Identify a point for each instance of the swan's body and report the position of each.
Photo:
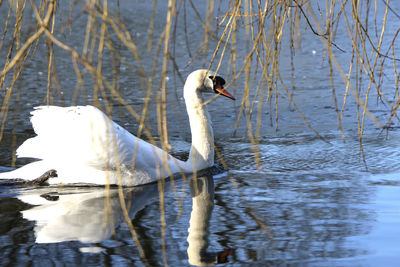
(84, 146)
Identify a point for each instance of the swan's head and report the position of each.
(207, 82)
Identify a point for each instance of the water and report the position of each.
(313, 212)
(299, 200)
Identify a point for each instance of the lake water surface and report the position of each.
(308, 201)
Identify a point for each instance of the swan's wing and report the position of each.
(85, 135)
(81, 134)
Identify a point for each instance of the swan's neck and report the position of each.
(202, 151)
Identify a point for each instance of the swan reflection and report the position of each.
(88, 215)
(91, 215)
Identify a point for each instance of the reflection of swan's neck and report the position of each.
(202, 151)
(203, 196)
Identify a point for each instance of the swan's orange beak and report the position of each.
(223, 92)
(218, 83)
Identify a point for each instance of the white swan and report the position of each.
(84, 146)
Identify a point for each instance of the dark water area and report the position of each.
(291, 199)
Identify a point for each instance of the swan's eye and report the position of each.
(218, 82)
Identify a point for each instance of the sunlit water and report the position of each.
(298, 200)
